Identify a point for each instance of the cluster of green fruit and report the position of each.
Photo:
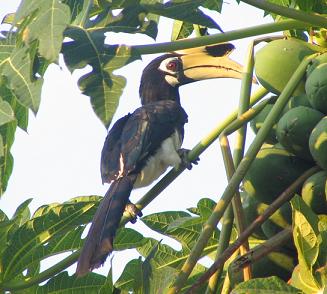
(298, 139)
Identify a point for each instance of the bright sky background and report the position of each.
(59, 157)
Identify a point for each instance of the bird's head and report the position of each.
(163, 75)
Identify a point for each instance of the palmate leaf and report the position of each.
(44, 21)
(51, 230)
(183, 10)
(91, 283)
(271, 285)
(183, 227)
(100, 84)
(165, 264)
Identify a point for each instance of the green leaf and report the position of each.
(206, 206)
(161, 221)
(181, 30)
(7, 133)
(304, 281)
(305, 232)
(213, 5)
(45, 21)
(22, 213)
(52, 230)
(180, 226)
(184, 10)
(131, 278)
(322, 226)
(17, 68)
(100, 84)
(63, 283)
(307, 240)
(127, 238)
(6, 113)
(132, 19)
(20, 111)
(271, 285)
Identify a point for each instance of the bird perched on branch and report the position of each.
(142, 145)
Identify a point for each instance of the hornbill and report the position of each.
(142, 145)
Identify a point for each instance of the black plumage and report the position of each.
(142, 145)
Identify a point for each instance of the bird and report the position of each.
(141, 145)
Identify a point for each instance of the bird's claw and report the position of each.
(183, 154)
(133, 211)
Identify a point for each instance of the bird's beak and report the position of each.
(209, 62)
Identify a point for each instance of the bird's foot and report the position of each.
(133, 211)
(183, 154)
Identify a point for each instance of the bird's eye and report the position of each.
(172, 65)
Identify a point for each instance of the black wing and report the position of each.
(137, 136)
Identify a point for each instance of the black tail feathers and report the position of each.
(99, 241)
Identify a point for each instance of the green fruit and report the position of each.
(316, 88)
(300, 100)
(278, 221)
(318, 143)
(294, 129)
(313, 192)
(276, 263)
(251, 209)
(320, 59)
(277, 61)
(257, 122)
(271, 172)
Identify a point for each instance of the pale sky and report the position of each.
(58, 158)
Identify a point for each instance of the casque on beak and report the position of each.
(209, 62)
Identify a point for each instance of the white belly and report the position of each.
(157, 164)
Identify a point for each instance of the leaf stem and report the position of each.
(312, 18)
(222, 37)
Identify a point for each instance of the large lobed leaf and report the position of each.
(100, 83)
(183, 227)
(91, 283)
(53, 229)
(44, 21)
(271, 285)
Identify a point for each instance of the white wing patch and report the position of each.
(157, 164)
(121, 166)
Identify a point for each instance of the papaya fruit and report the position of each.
(316, 88)
(320, 59)
(257, 122)
(278, 221)
(276, 263)
(271, 172)
(276, 62)
(294, 129)
(318, 143)
(314, 194)
(252, 209)
(299, 100)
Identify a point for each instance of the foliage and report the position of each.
(41, 31)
